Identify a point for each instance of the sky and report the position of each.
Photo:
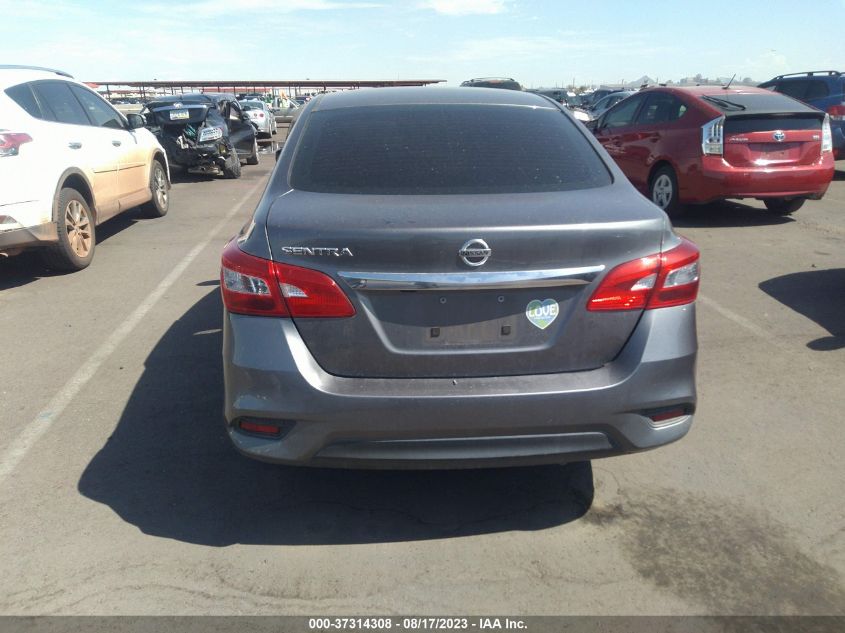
(537, 42)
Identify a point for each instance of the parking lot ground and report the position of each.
(120, 493)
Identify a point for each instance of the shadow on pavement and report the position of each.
(170, 469)
(179, 175)
(29, 267)
(818, 295)
(727, 213)
(839, 174)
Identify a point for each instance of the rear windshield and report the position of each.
(444, 149)
(167, 114)
(251, 106)
(508, 84)
(755, 103)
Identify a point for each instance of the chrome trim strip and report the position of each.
(472, 280)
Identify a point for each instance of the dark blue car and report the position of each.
(822, 89)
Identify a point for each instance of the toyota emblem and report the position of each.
(779, 136)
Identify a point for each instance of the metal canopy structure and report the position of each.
(244, 85)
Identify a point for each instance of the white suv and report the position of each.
(69, 161)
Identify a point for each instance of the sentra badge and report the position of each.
(324, 251)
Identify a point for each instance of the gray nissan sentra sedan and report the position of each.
(439, 278)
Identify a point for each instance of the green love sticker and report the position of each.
(542, 313)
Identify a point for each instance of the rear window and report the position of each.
(22, 95)
(755, 103)
(507, 84)
(168, 114)
(62, 106)
(444, 149)
(817, 89)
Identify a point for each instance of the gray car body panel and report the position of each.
(422, 234)
(364, 391)
(271, 375)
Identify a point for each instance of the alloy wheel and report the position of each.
(78, 226)
(661, 193)
(160, 187)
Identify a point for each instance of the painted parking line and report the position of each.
(32, 432)
(745, 323)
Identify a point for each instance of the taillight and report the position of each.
(310, 293)
(260, 115)
(249, 284)
(10, 142)
(256, 286)
(837, 112)
(827, 135)
(657, 281)
(713, 136)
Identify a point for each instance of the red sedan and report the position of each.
(695, 145)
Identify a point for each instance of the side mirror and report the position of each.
(136, 121)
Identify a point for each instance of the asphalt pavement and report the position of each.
(120, 492)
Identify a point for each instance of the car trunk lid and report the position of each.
(774, 140)
(424, 310)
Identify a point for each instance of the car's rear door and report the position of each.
(618, 129)
(132, 174)
(82, 144)
(657, 133)
(448, 281)
(241, 129)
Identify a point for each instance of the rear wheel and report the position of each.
(663, 190)
(232, 166)
(75, 224)
(783, 206)
(253, 158)
(160, 202)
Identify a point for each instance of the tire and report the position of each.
(77, 236)
(232, 167)
(160, 202)
(783, 206)
(663, 190)
(253, 158)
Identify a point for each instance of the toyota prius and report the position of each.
(445, 278)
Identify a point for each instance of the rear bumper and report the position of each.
(466, 422)
(717, 180)
(28, 237)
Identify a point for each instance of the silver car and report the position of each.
(480, 286)
(261, 115)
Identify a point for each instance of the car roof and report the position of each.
(771, 103)
(429, 96)
(712, 90)
(831, 75)
(13, 75)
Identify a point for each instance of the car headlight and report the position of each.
(210, 134)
